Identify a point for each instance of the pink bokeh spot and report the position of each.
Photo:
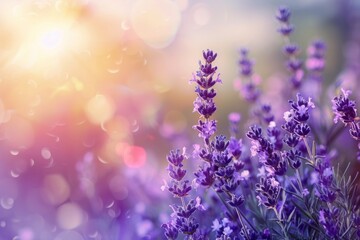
(26, 234)
(133, 156)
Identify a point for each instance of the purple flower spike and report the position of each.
(268, 192)
(297, 117)
(245, 63)
(294, 65)
(176, 158)
(206, 129)
(205, 176)
(220, 143)
(209, 56)
(283, 14)
(286, 30)
(236, 201)
(291, 49)
(180, 189)
(344, 108)
(235, 147)
(255, 133)
(248, 88)
(171, 231)
(176, 173)
(316, 56)
(234, 120)
(330, 221)
(186, 226)
(355, 131)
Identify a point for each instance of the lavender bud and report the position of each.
(283, 14)
(344, 108)
(171, 232)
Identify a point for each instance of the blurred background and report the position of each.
(93, 95)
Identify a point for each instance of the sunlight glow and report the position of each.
(52, 39)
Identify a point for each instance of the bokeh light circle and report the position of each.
(56, 189)
(69, 216)
(69, 235)
(134, 156)
(156, 22)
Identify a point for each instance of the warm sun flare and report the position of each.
(52, 39)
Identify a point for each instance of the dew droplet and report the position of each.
(45, 153)
(102, 160)
(56, 138)
(93, 234)
(114, 212)
(14, 152)
(14, 174)
(135, 126)
(2, 224)
(111, 204)
(7, 203)
(32, 162)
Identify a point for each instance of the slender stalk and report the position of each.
(281, 224)
(242, 223)
(240, 216)
(299, 182)
(312, 158)
(184, 205)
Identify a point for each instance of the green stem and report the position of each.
(312, 158)
(300, 183)
(242, 223)
(281, 224)
(184, 205)
(239, 213)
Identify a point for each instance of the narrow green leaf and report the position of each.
(291, 214)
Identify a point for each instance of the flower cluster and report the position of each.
(294, 64)
(183, 221)
(278, 183)
(345, 110)
(316, 58)
(248, 83)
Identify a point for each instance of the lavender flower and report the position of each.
(180, 188)
(344, 108)
(234, 120)
(316, 62)
(283, 14)
(204, 103)
(248, 83)
(293, 64)
(245, 191)
(171, 231)
(269, 191)
(329, 220)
